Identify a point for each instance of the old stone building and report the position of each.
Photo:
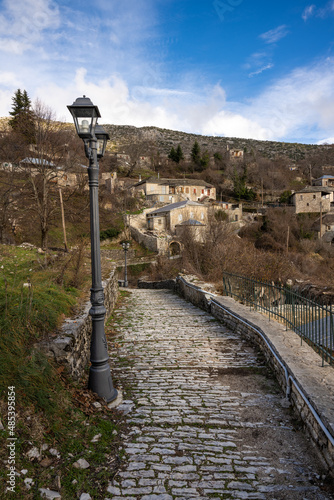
(175, 190)
(324, 227)
(313, 199)
(325, 181)
(234, 153)
(167, 217)
(192, 228)
(233, 211)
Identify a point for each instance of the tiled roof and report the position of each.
(37, 161)
(173, 206)
(191, 222)
(327, 219)
(315, 189)
(176, 182)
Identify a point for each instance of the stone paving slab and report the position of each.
(205, 419)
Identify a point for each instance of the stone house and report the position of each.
(193, 227)
(175, 190)
(325, 181)
(67, 179)
(233, 210)
(168, 217)
(35, 165)
(324, 227)
(313, 199)
(235, 154)
(6, 166)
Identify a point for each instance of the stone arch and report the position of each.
(175, 248)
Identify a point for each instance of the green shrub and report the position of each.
(113, 232)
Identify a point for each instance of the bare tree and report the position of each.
(43, 162)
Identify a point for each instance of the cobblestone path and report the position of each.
(205, 419)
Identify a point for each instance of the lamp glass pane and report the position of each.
(100, 147)
(84, 125)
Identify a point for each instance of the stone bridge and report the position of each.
(206, 417)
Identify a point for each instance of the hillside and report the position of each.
(163, 140)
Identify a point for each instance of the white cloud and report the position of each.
(301, 105)
(23, 21)
(321, 12)
(260, 70)
(234, 125)
(9, 79)
(308, 12)
(329, 140)
(274, 35)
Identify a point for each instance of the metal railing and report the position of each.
(313, 322)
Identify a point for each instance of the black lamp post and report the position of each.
(126, 246)
(95, 138)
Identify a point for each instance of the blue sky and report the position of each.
(238, 68)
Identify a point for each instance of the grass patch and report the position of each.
(51, 411)
(32, 306)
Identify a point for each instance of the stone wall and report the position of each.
(310, 202)
(71, 347)
(157, 285)
(150, 242)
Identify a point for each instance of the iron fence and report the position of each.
(313, 322)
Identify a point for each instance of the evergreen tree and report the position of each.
(205, 160)
(172, 155)
(179, 154)
(240, 190)
(196, 153)
(22, 120)
(218, 157)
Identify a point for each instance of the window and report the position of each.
(301, 196)
(180, 217)
(314, 196)
(191, 215)
(187, 190)
(236, 217)
(202, 215)
(202, 191)
(159, 222)
(194, 190)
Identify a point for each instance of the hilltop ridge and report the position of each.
(165, 139)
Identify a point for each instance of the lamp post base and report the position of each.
(100, 381)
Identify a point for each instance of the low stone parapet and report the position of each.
(157, 285)
(71, 347)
